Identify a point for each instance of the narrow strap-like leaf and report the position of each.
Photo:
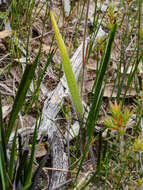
(28, 179)
(3, 161)
(98, 94)
(21, 94)
(72, 84)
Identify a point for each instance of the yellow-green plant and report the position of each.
(138, 144)
(118, 122)
(71, 81)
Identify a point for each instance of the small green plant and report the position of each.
(138, 144)
(118, 122)
(20, 174)
(16, 169)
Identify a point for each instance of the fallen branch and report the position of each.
(52, 106)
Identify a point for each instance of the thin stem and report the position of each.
(83, 50)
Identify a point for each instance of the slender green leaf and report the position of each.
(97, 100)
(21, 94)
(68, 70)
(30, 164)
(2, 131)
(98, 88)
(3, 169)
(20, 171)
(40, 78)
(120, 86)
(131, 76)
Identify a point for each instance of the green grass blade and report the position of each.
(2, 168)
(39, 81)
(21, 94)
(120, 86)
(3, 161)
(30, 164)
(131, 76)
(20, 171)
(97, 100)
(98, 86)
(2, 131)
(91, 117)
(68, 70)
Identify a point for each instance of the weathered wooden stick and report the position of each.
(53, 103)
(52, 106)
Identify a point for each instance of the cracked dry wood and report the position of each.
(49, 113)
(59, 159)
(51, 108)
(47, 123)
(54, 102)
(48, 127)
(4, 5)
(4, 2)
